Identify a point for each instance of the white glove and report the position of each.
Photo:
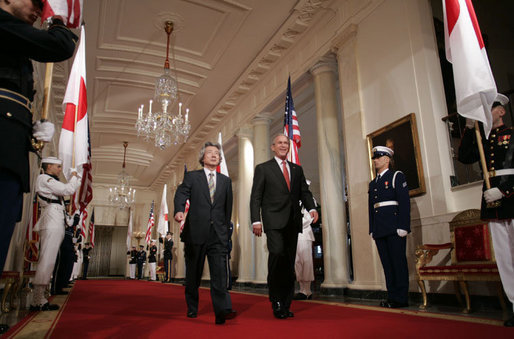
(470, 123)
(43, 131)
(492, 195)
(401, 233)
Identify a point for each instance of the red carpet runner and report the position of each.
(140, 309)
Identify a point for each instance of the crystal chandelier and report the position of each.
(122, 195)
(164, 127)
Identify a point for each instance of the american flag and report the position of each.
(83, 229)
(151, 222)
(92, 230)
(291, 127)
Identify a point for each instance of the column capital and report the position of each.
(263, 118)
(326, 63)
(245, 132)
(344, 38)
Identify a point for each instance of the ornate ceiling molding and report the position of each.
(290, 32)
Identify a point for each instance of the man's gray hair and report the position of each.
(202, 151)
(276, 136)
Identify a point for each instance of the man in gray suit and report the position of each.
(278, 187)
(206, 231)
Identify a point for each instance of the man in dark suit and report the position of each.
(206, 231)
(278, 187)
(389, 224)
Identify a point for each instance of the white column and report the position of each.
(245, 177)
(335, 256)
(261, 143)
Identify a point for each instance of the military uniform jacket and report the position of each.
(53, 214)
(21, 43)
(498, 151)
(85, 252)
(385, 220)
(141, 256)
(168, 248)
(133, 257)
(152, 256)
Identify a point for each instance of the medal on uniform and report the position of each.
(386, 184)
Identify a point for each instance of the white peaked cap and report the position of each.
(52, 160)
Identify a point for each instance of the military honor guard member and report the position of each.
(278, 187)
(152, 260)
(132, 262)
(206, 231)
(168, 256)
(141, 260)
(85, 259)
(50, 226)
(499, 150)
(389, 224)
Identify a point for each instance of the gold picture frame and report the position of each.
(402, 136)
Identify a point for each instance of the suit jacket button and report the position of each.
(8, 114)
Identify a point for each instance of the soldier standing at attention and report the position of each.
(85, 259)
(499, 150)
(132, 262)
(389, 224)
(168, 256)
(152, 260)
(141, 259)
(50, 226)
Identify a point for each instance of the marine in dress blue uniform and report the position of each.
(389, 223)
(499, 154)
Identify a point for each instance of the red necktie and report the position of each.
(286, 174)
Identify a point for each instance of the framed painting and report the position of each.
(402, 137)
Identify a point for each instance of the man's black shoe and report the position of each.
(394, 304)
(278, 310)
(220, 319)
(230, 314)
(289, 314)
(3, 328)
(300, 296)
(383, 303)
(45, 307)
(191, 314)
(49, 307)
(509, 323)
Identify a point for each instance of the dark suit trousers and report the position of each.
(282, 252)
(11, 200)
(392, 254)
(216, 254)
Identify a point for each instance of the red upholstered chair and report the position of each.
(472, 258)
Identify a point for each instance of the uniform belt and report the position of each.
(500, 172)
(386, 203)
(48, 200)
(16, 97)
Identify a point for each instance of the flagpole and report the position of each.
(38, 145)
